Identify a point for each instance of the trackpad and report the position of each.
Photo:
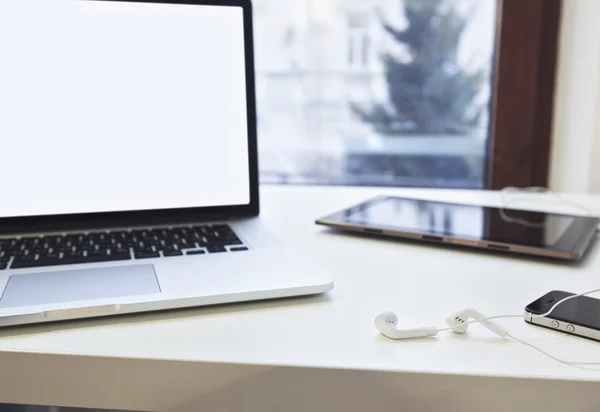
(73, 285)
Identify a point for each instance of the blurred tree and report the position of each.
(429, 93)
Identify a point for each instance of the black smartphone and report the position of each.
(579, 316)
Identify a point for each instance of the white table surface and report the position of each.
(163, 361)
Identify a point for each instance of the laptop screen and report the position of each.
(121, 106)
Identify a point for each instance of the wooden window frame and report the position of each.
(524, 90)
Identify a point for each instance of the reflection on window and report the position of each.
(374, 92)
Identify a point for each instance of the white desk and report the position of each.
(323, 353)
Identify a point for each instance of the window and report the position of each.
(358, 39)
(405, 92)
(374, 92)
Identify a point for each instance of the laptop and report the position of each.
(128, 144)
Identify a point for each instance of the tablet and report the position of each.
(551, 235)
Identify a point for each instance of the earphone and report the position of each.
(387, 324)
(459, 322)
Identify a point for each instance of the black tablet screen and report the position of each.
(470, 222)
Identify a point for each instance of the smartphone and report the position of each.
(579, 316)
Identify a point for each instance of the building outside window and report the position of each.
(375, 92)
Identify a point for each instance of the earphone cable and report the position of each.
(560, 302)
(479, 321)
(506, 204)
(542, 190)
(581, 365)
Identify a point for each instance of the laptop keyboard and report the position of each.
(118, 245)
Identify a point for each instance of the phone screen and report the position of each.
(582, 311)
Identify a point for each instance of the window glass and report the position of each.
(374, 92)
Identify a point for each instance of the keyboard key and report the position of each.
(99, 237)
(8, 244)
(118, 256)
(151, 241)
(195, 252)
(144, 249)
(75, 254)
(117, 251)
(96, 253)
(54, 240)
(172, 253)
(30, 241)
(238, 249)
(216, 249)
(119, 236)
(23, 253)
(233, 242)
(146, 255)
(66, 260)
(34, 251)
(76, 238)
(200, 230)
(186, 245)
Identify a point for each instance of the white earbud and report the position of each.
(386, 323)
(458, 322)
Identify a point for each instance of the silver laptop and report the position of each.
(129, 161)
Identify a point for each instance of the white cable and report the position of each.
(581, 365)
(479, 321)
(560, 302)
(507, 218)
(537, 348)
(565, 362)
(543, 190)
(514, 338)
(543, 315)
(506, 203)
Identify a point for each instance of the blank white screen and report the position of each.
(110, 106)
